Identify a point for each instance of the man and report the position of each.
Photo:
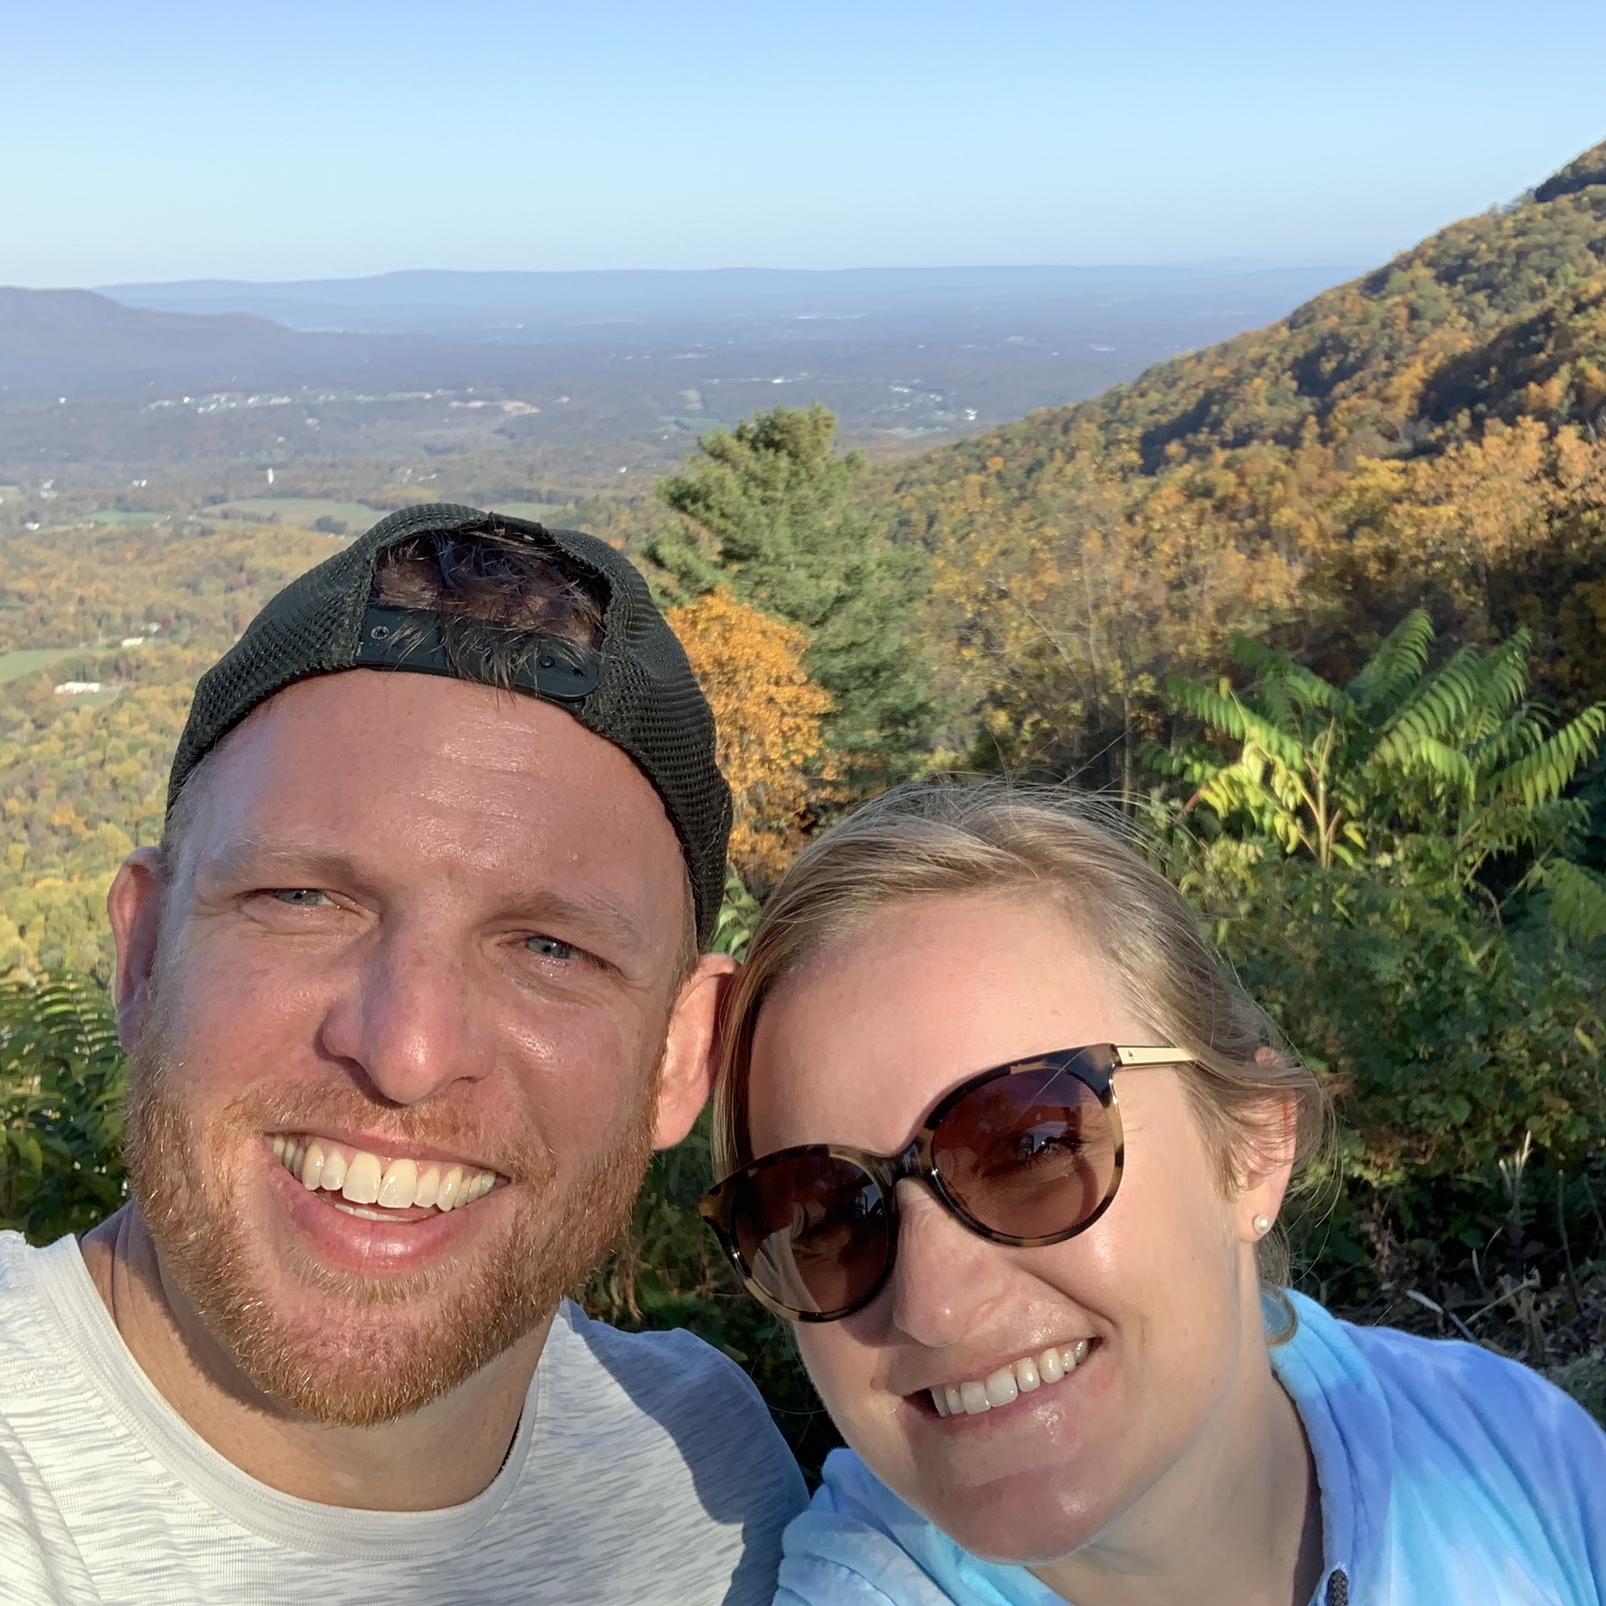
(410, 991)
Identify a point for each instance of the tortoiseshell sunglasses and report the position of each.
(1025, 1154)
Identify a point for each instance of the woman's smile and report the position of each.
(1002, 1386)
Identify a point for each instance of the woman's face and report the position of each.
(856, 1047)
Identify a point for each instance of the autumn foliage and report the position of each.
(769, 716)
(1429, 436)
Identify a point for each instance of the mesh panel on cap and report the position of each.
(648, 702)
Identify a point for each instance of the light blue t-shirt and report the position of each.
(1446, 1474)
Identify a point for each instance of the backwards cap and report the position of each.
(635, 689)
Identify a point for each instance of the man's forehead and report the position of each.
(410, 763)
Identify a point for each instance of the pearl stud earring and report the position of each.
(1262, 1225)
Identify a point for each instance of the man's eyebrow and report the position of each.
(591, 910)
(588, 910)
(260, 854)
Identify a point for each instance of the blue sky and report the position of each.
(184, 140)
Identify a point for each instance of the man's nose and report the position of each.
(946, 1279)
(405, 1018)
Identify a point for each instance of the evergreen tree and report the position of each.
(774, 516)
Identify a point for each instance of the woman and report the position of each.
(1009, 1145)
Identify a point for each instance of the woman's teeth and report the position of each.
(1008, 1383)
(369, 1179)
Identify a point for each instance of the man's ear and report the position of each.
(691, 1055)
(135, 906)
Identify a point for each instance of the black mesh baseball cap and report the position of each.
(635, 689)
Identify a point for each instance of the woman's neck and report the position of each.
(1236, 1523)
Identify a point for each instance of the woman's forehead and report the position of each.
(876, 1025)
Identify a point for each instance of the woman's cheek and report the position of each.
(841, 1385)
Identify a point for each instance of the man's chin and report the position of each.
(360, 1366)
(340, 1348)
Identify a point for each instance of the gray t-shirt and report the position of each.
(645, 1469)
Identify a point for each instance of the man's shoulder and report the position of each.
(677, 1349)
(17, 1256)
(670, 1365)
(26, 1315)
(670, 1382)
(670, 1440)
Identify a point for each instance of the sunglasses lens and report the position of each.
(1030, 1155)
(814, 1232)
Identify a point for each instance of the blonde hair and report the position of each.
(946, 838)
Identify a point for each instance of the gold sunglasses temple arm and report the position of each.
(1125, 1056)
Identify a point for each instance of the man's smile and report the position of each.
(393, 1183)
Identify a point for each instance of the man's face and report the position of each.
(419, 947)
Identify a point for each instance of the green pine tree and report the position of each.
(773, 515)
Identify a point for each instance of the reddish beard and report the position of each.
(381, 1348)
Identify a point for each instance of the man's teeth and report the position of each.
(367, 1179)
(1008, 1383)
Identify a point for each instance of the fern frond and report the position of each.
(60, 1021)
(1509, 824)
(1400, 661)
(1278, 669)
(1504, 676)
(1520, 733)
(1577, 899)
(1276, 705)
(1441, 762)
(1257, 655)
(1546, 771)
(1435, 707)
(1227, 714)
(1193, 762)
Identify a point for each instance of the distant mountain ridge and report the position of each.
(653, 357)
(548, 304)
(73, 340)
(50, 310)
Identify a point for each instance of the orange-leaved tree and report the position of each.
(769, 714)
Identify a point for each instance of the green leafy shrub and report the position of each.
(61, 1122)
(1464, 1058)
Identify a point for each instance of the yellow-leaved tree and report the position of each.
(769, 715)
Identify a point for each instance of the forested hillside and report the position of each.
(137, 611)
(1429, 435)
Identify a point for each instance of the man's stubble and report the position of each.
(383, 1347)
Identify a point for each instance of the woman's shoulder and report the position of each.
(859, 1544)
(1440, 1383)
(1475, 1443)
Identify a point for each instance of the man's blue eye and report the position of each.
(551, 948)
(298, 897)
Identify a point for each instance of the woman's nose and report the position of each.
(945, 1278)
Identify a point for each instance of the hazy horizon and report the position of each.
(352, 141)
(1224, 264)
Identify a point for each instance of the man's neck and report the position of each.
(441, 1455)
(1247, 1532)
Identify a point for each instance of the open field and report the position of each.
(117, 516)
(301, 511)
(28, 660)
(530, 510)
